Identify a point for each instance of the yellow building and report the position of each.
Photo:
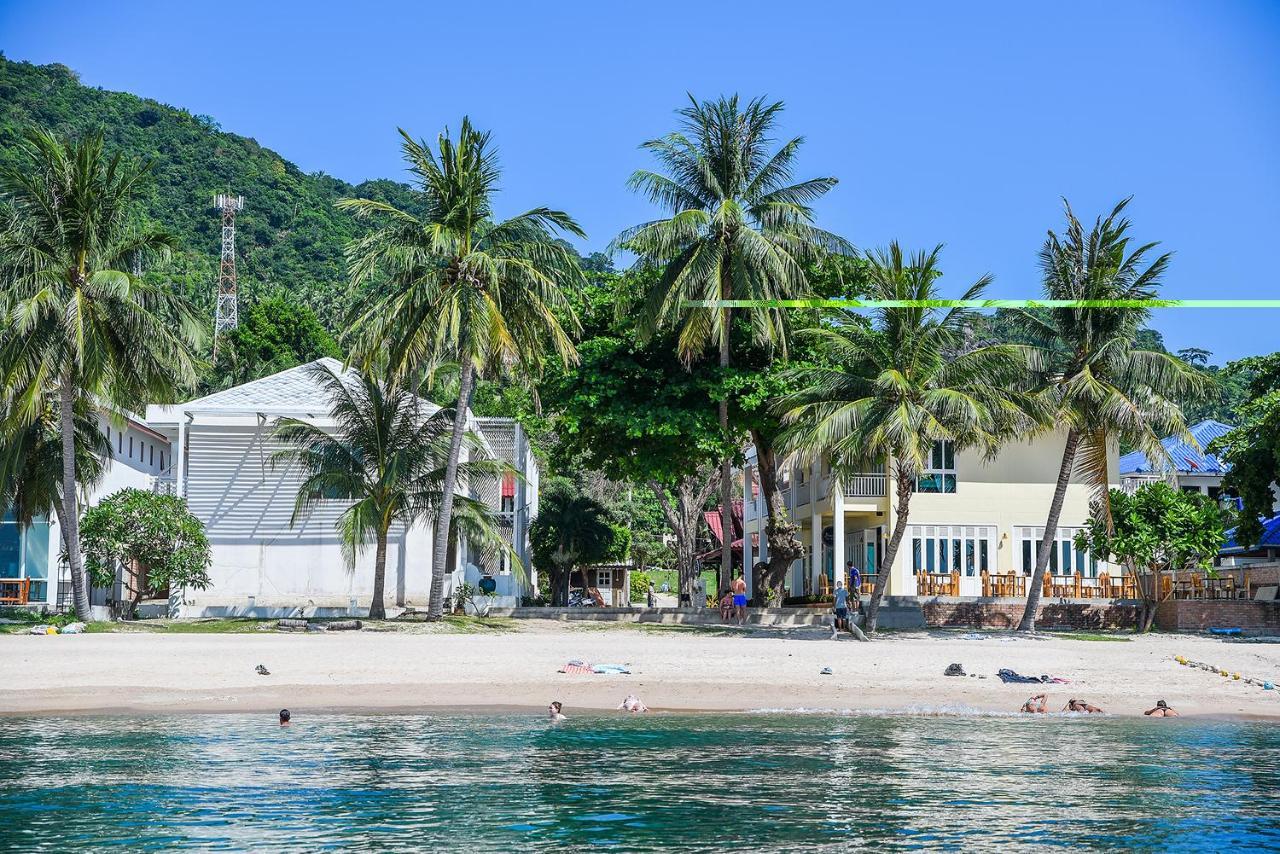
(968, 515)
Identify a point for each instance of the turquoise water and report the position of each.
(747, 782)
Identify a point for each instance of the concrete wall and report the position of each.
(1002, 614)
(1197, 615)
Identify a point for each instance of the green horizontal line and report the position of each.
(984, 303)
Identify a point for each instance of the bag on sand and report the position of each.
(953, 670)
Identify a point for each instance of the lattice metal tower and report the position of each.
(227, 315)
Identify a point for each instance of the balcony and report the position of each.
(865, 486)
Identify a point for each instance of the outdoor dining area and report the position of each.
(1223, 583)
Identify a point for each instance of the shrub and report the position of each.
(639, 586)
(153, 537)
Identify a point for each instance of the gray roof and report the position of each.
(292, 389)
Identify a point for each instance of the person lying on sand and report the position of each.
(1030, 705)
(633, 704)
(554, 711)
(1161, 710)
(1081, 706)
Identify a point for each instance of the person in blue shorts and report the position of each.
(740, 599)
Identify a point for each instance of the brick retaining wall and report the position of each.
(1196, 615)
(946, 612)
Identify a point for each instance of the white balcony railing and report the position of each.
(165, 484)
(1132, 482)
(864, 486)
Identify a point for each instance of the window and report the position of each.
(130, 447)
(1064, 557)
(940, 472)
(967, 549)
(1194, 489)
(162, 461)
(604, 578)
(120, 443)
(152, 461)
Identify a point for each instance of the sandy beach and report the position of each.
(679, 671)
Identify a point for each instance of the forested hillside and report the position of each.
(290, 237)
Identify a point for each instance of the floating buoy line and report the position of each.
(1264, 684)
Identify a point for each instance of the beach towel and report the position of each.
(576, 666)
(1007, 675)
(610, 668)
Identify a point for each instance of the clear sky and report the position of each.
(961, 123)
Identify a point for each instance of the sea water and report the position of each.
(771, 781)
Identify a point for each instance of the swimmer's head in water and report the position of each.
(1161, 704)
(555, 704)
(284, 716)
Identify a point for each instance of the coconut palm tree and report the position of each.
(31, 460)
(738, 229)
(462, 287)
(79, 322)
(386, 455)
(1096, 381)
(893, 388)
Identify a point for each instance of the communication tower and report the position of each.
(227, 314)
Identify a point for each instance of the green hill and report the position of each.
(289, 236)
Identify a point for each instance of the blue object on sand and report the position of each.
(1225, 631)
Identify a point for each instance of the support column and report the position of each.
(815, 560)
(180, 458)
(837, 529)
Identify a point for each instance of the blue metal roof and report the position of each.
(1185, 457)
(1270, 536)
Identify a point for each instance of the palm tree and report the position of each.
(738, 229)
(462, 288)
(1096, 381)
(892, 389)
(572, 528)
(31, 461)
(79, 322)
(386, 456)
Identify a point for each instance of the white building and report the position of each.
(1187, 468)
(218, 453)
(31, 554)
(967, 516)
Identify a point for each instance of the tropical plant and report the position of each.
(150, 542)
(1096, 381)
(572, 529)
(79, 320)
(738, 229)
(895, 388)
(1155, 530)
(461, 287)
(31, 460)
(386, 457)
(1252, 447)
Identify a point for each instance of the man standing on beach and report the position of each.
(842, 609)
(740, 599)
(855, 585)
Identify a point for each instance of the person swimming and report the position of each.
(1030, 706)
(633, 704)
(553, 711)
(1161, 710)
(1081, 706)
(284, 717)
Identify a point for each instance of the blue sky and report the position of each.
(960, 123)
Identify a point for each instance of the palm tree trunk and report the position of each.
(726, 475)
(440, 544)
(70, 514)
(1036, 585)
(900, 516)
(377, 609)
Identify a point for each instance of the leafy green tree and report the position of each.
(463, 288)
(387, 457)
(571, 530)
(633, 411)
(274, 334)
(151, 542)
(1096, 380)
(1197, 357)
(1252, 448)
(894, 388)
(79, 321)
(738, 229)
(1154, 531)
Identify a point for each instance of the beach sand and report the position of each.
(671, 670)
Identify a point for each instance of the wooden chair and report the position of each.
(1197, 586)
